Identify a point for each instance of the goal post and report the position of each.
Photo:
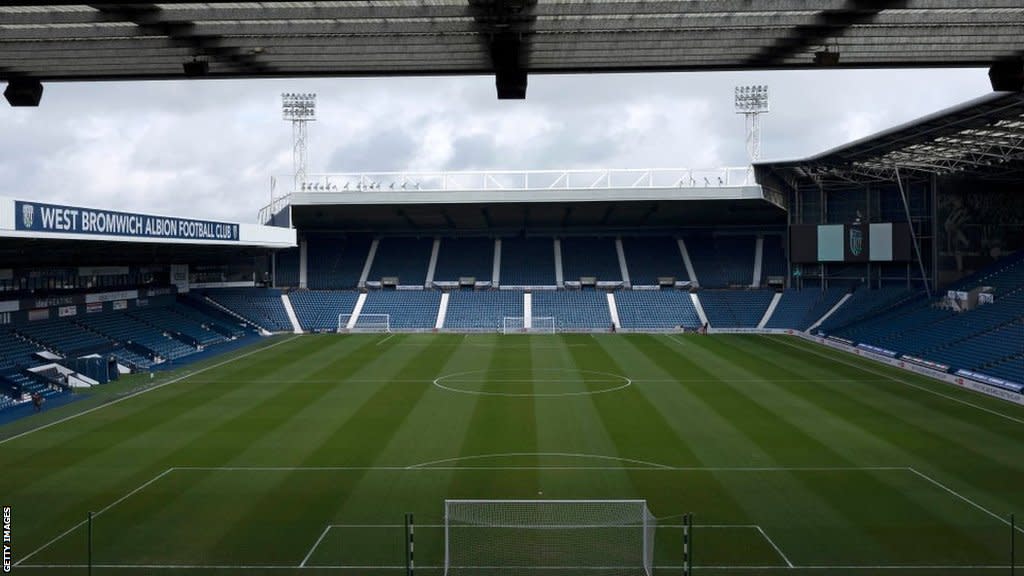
(364, 323)
(526, 537)
(537, 325)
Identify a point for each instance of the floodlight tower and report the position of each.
(299, 108)
(752, 101)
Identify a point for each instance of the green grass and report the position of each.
(793, 458)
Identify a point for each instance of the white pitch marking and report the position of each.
(624, 381)
(386, 338)
(894, 378)
(140, 392)
(317, 543)
(964, 498)
(101, 511)
(777, 549)
(540, 454)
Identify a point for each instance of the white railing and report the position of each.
(514, 180)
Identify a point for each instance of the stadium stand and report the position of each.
(334, 262)
(404, 258)
(573, 309)
(799, 309)
(122, 327)
(648, 258)
(208, 316)
(164, 318)
(596, 257)
(409, 309)
(318, 310)
(655, 309)
(722, 261)
(15, 352)
(527, 262)
(865, 303)
(260, 306)
(773, 257)
(482, 310)
(64, 337)
(287, 267)
(470, 257)
(735, 309)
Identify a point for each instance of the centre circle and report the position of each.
(544, 383)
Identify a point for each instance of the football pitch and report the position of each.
(303, 456)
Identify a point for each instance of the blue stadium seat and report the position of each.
(527, 262)
(655, 309)
(482, 309)
(573, 309)
(261, 306)
(459, 257)
(404, 258)
(333, 262)
(651, 257)
(409, 309)
(597, 257)
(735, 308)
(318, 310)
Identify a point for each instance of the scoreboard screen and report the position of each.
(879, 242)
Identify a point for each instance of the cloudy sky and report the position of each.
(208, 148)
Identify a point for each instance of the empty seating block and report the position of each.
(404, 258)
(865, 303)
(164, 318)
(334, 262)
(14, 352)
(597, 257)
(656, 309)
(649, 258)
(527, 262)
(124, 328)
(574, 309)
(773, 257)
(722, 261)
(459, 257)
(318, 310)
(735, 309)
(286, 267)
(482, 310)
(798, 309)
(261, 306)
(409, 309)
(64, 337)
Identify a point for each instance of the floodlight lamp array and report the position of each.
(751, 99)
(298, 106)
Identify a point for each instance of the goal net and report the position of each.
(538, 325)
(364, 323)
(512, 537)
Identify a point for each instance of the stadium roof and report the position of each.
(983, 138)
(509, 38)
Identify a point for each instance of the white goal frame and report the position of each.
(549, 517)
(538, 325)
(365, 323)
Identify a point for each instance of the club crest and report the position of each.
(856, 241)
(28, 215)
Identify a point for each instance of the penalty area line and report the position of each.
(315, 545)
(100, 511)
